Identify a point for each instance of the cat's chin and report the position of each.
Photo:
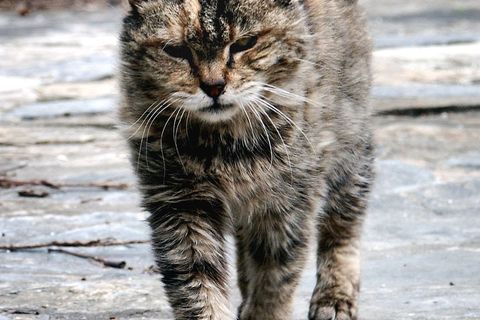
(217, 112)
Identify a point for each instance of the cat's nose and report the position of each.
(213, 89)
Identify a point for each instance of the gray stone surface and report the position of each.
(398, 23)
(421, 247)
(55, 109)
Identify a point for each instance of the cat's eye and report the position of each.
(243, 44)
(181, 51)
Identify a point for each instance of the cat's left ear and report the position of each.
(134, 3)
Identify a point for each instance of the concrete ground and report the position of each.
(421, 248)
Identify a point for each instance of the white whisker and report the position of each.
(186, 123)
(175, 133)
(270, 106)
(161, 141)
(242, 106)
(152, 121)
(259, 117)
(150, 108)
(281, 138)
(145, 112)
(157, 106)
(286, 94)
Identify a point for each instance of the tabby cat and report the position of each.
(250, 118)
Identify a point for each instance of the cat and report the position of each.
(250, 118)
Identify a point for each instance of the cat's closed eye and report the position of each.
(178, 51)
(243, 44)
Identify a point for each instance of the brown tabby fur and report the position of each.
(286, 160)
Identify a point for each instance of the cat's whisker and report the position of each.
(186, 123)
(284, 93)
(148, 114)
(175, 133)
(244, 138)
(145, 112)
(320, 64)
(166, 44)
(259, 117)
(161, 141)
(252, 131)
(263, 100)
(287, 94)
(281, 138)
(306, 61)
(158, 105)
(148, 127)
(298, 21)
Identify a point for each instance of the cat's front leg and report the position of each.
(338, 261)
(188, 242)
(275, 246)
(243, 272)
(338, 278)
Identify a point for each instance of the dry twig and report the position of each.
(106, 263)
(4, 171)
(93, 243)
(12, 183)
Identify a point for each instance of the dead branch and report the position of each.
(92, 243)
(4, 171)
(12, 183)
(106, 263)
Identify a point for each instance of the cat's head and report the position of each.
(216, 57)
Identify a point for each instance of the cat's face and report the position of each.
(217, 58)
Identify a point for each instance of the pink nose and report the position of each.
(213, 90)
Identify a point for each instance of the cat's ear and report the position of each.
(134, 4)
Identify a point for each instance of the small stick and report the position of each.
(16, 167)
(11, 183)
(92, 243)
(106, 263)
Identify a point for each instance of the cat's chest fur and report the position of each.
(241, 168)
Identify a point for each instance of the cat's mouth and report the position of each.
(217, 112)
(217, 107)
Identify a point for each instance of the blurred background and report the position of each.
(73, 241)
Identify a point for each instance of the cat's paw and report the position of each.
(327, 310)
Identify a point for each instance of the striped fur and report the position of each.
(281, 159)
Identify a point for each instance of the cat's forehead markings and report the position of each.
(214, 21)
(178, 21)
(192, 10)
